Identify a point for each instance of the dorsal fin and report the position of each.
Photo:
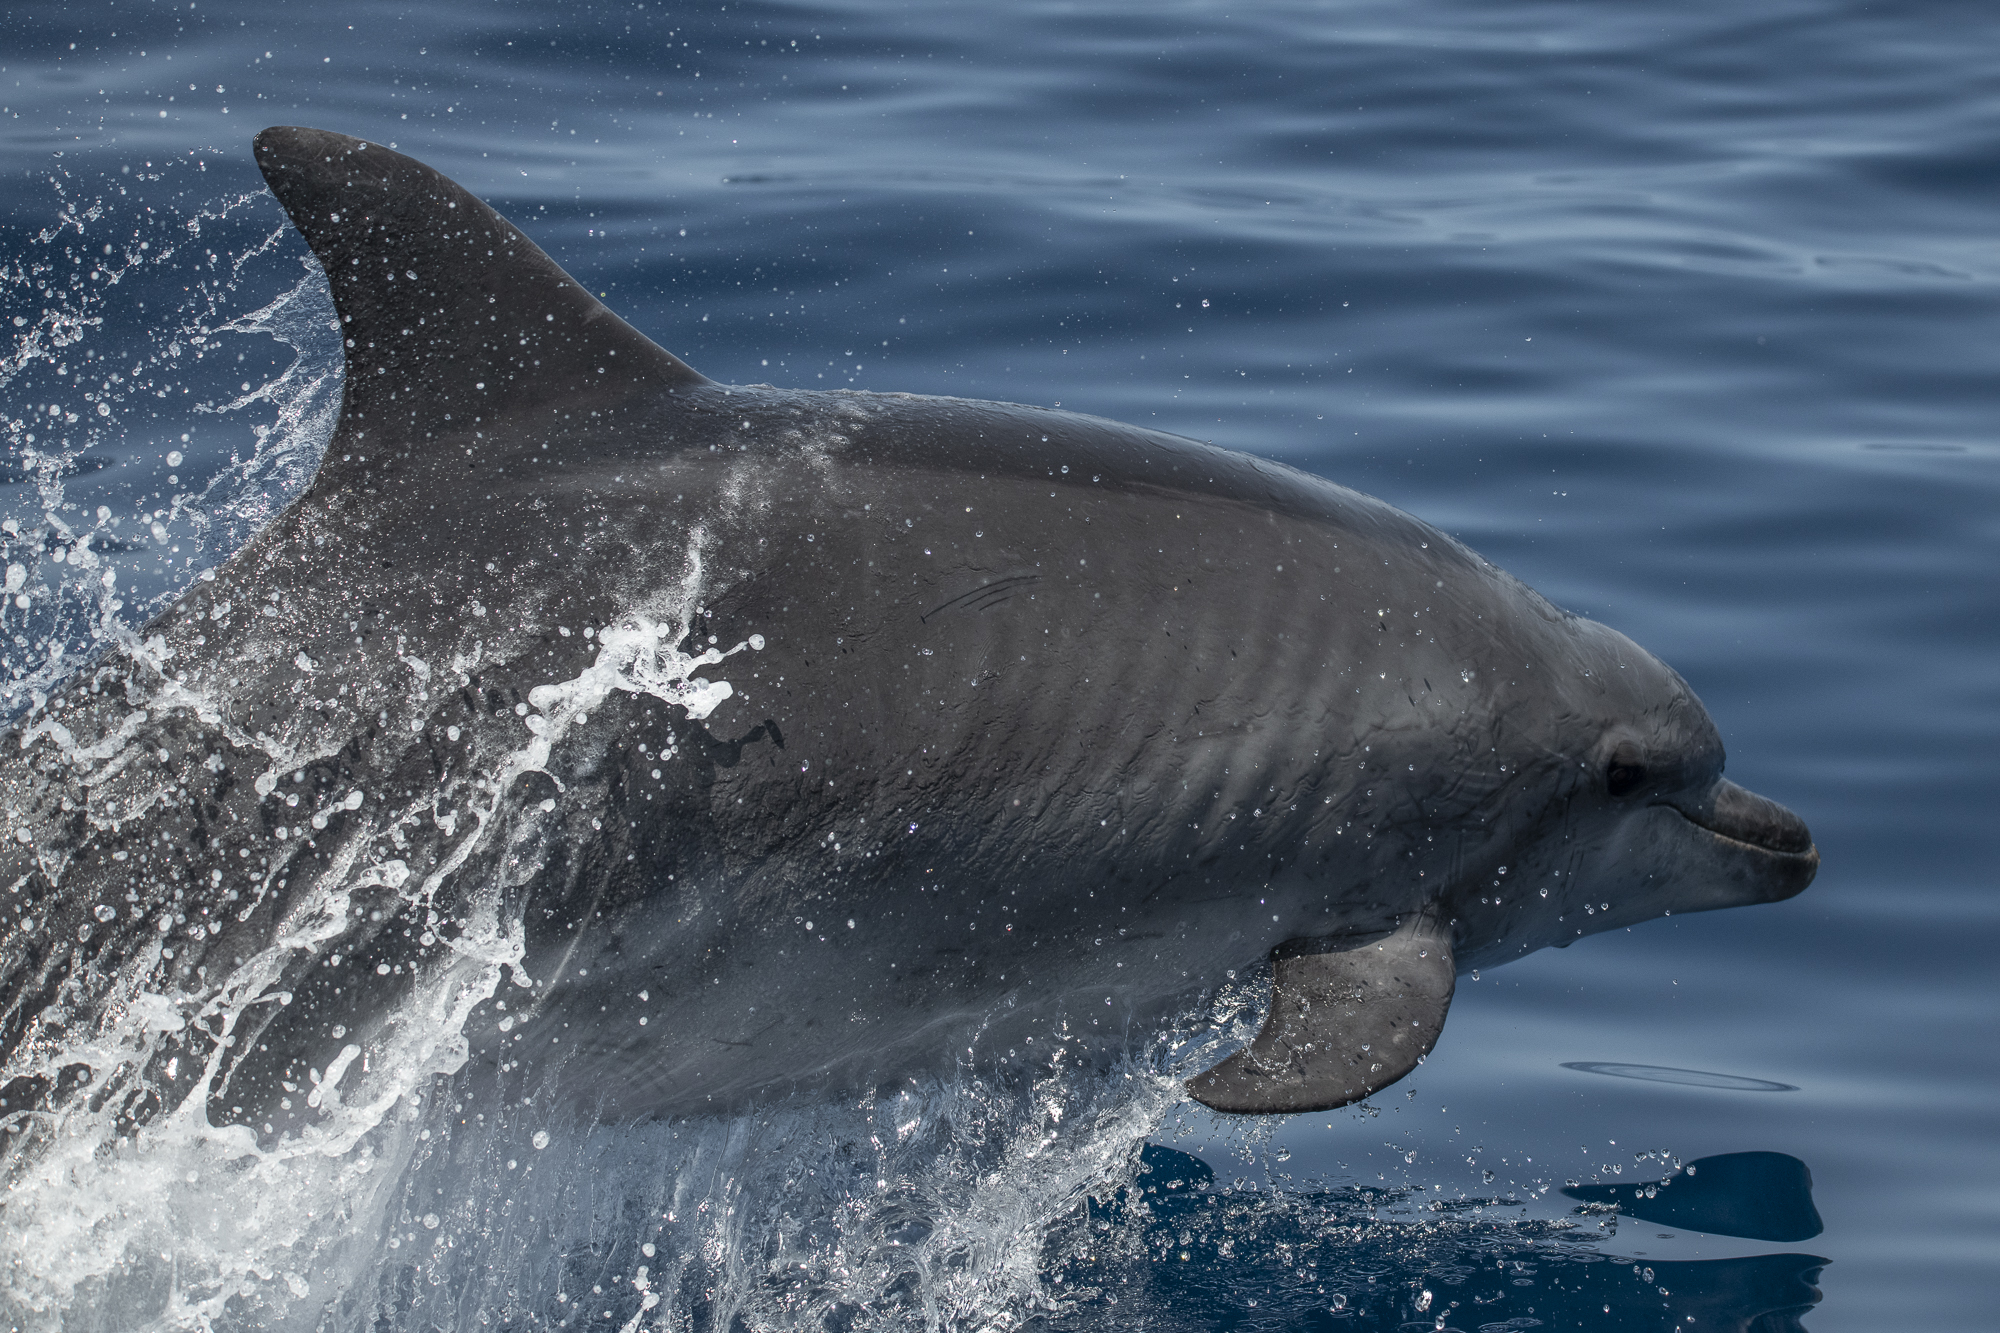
(449, 314)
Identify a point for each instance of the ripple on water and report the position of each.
(1691, 1078)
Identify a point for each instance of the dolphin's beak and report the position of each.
(1778, 838)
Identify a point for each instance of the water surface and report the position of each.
(1686, 317)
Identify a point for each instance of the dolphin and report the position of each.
(676, 745)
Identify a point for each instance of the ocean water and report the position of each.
(1685, 316)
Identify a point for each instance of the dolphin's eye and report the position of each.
(1626, 773)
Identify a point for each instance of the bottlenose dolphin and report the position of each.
(681, 744)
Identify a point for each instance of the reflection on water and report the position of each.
(1757, 1195)
(1172, 1251)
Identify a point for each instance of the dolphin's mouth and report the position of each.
(1730, 811)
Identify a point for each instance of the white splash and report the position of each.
(125, 369)
(929, 1206)
(90, 1209)
(639, 655)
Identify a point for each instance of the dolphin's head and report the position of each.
(1641, 823)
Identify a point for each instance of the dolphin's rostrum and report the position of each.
(682, 744)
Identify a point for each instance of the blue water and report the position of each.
(1687, 315)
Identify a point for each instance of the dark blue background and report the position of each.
(1684, 314)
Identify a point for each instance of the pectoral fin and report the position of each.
(1346, 1020)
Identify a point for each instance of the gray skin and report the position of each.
(1056, 724)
